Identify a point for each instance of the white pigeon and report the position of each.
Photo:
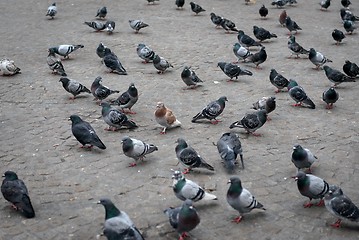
(8, 67)
(52, 10)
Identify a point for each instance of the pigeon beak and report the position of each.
(229, 181)
(295, 178)
(98, 202)
(2, 175)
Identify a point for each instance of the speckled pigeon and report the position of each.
(228, 25)
(112, 63)
(136, 149)
(330, 96)
(258, 57)
(52, 10)
(262, 34)
(229, 147)
(212, 110)
(161, 64)
(55, 63)
(291, 25)
(338, 36)
(233, 70)
(278, 80)
(349, 26)
(100, 91)
(196, 8)
(145, 52)
(266, 103)
(115, 118)
(66, 49)
(110, 27)
(73, 87)
(190, 78)
(246, 40)
(298, 94)
(128, 99)
(251, 121)
(137, 25)
(324, 4)
(216, 19)
(98, 26)
(8, 67)
(336, 77)
(296, 48)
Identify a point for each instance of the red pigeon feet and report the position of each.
(237, 219)
(307, 205)
(187, 170)
(336, 224)
(320, 203)
(132, 165)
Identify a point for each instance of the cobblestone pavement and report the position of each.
(64, 181)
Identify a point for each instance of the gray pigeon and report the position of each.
(112, 63)
(8, 67)
(52, 10)
(228, 25)
(229, 147)
(187, 189)
(98, 26)
(73, 87)
(233, 70)
(241, 52)
(262, 34)
(145, 53)
(338, 204)
(65, 49)
(101, 12)
(302, 157)
(190, 78)
(115, 118)
(317, 58)
(336, 76)
(349, 26)
(118, 224)
(136, 149)
(196, 8)
(345, 14)
(152, 1)
(324, 4)
(338, 36)
(55, 63)
(296, 48)
(161, 64)
(128, 99)
(251, 121)
(246, 40)
(137, 25)
(279, 3)
(312, 187)
(258, 57)
(216, 19)
(298, 94)
(183, 219)
(241, 199)
(100, 91)
(110, 27)
(84, 133)
(266, 103)
(351, 69)
(15, 191)
(180, 3)
(212, 110)
(330, 96)
(291, 25)
(189, 157)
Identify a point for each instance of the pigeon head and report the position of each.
(255, 28)
(223, 99)
(292, 38)
(334, 191)
(156, 59)
(177, 175)
(212, 14)
(64, 80)
(105, 202)
(160, 105)
(240, 33)
(312, 52)
(75, 119)
(107, 51)
(188, 203)
(105, 105)
(127, 144)
(97, 80)
(300, 175)
(236, 184)
(10, 175)
(51, 51)
(221, 65)
(181, 142)
(110, 208)
(297, 146)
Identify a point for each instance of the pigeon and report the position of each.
(229, 146)
(312, 187)
(8, 67)
(115, 118)
(292, 2)
(262, 34)
(251, 121)
(296, 48)
(338, 204)
(52, 10)
(73, 87)
(349, 26)
(302, 157)
(189, 157)
(137, 25)
(100, 91)
(212, 110)
(112, 63)
(186, 189)
(246, 40)
(196, 8)
(330, 96)
(279, 3)
(338, 36)
(258, 57)
(241, 199)
(98, 26)
(241, 52)
(228, 25)
(128, 99)
(15, 191)
(278, 80)
(110, 27)
(190, 78)
(345, 3)
(84, 133)
(324, 4)
(55, 64)
(263, 11)
(233, 70)
(101, 12)
(165, 117)
(100, 50)
(298, 94)
(266, 103)
(152, 1)
(291, 25)
(183, 219)
(216, 19)
(345, 14)
(336, 76)
(161, 64)
(65, 50)
(317, 58)
(118, 224)
(282, 18)
(136, 149)
(145, 53)
(180, 3)
(351, 69)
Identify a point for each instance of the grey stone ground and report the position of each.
(64, 181)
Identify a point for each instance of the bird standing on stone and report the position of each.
(302, 157)
(98, 26)
(137, 25)
(262, 34)
(179, 4)
(66, 49)
(330, 96)
(336, 76)
(165, 117)
(246, 40)
(241, 52)
(263, 11)
(55, 63)
(101, 13)
(52, 10)
(73, 87)
(296, 48)
(183, 219)
(187, 189)
(233, 70)
(298, 94)
(84, 133)
(229, 147)
(145, 53)
(312, 187)
(189, 157)
(190, 78)
(324, 4)
(118, 224)
(317, 58)
(266, 103)
(112, 63)
(278, 80)
(351, 69)
(161, 64)
(128, 99)
(291, 25)
(115, 118)
(251, 121)
(338, 36)
(258, 57)
(8, 67)
(241, 199)
(196, 8)
(212, 110)
(100, 91)
(15, 191)
(136, 149)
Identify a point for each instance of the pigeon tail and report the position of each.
(130, 124)
(197, 117)
(85, 89)
(151, 148)
(25, 207)
(176, 124)
(99, 144)
(246, 72)
(310, 103)
(236, 124)
(206, 165)
(209, 196)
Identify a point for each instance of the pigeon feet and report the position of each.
(187, 170)
(256, 134)
(13, 207)
(215, 121)
(336, 224)
(163, 132)
(128, 112)
(237, 219)
(297, 105)
(132, 165)
(86, 147)
(320, 203)
(329, 106)
(183, 236)
(307, 205)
